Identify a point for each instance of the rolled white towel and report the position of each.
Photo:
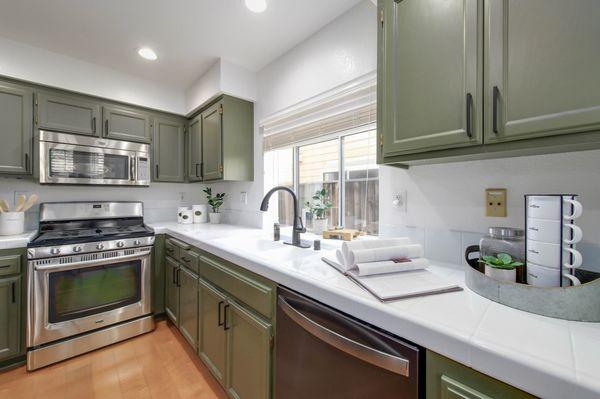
(359, 245)
(388, 266)
(382, 254)
(341, 260)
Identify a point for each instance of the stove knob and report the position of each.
(100, 247)
(137, 242)
(120, 244)
(54, 251)
(77, 249)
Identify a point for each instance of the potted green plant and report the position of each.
(501, 267)
(319, 207)
(215, 203)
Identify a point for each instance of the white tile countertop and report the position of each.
(17, 241)
(547, 357)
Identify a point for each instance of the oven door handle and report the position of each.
(395, 364)
(92, 263)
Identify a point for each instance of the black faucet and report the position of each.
(298, 225)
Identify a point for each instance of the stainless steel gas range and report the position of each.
(89, 279)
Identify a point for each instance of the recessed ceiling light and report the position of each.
(147, 53)
(256, 5)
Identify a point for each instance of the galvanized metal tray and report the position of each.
(577, 303)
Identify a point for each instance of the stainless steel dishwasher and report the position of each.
(322, 353)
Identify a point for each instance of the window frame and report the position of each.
(342, 180)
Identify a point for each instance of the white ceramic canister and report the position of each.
(541, 276)
(187, 216)
(12, 223)
(180, 211)
(200, 213)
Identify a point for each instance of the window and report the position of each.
(343, 164)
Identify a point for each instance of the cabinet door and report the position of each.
(541, 68)
(10, 316)
(169, 158)
(70, 114)
(16, 128)
(123, 123)
(158, 275)
(211, 342)
(172, 290)
(195, 149)
(430, 83)
(212, 140)
(188, 306)
(248, 354)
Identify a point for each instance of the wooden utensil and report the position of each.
(32, 200)
(4, 205)
(20, 203)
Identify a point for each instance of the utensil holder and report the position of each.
(12, 223)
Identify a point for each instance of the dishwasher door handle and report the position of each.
(370, 355)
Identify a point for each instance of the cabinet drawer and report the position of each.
(189, 259)
(10, 264)
(253, 293)
(171, 249)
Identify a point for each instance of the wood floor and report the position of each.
(157, 365)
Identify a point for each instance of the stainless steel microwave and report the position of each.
(72, 159)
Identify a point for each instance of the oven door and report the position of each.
(79, 164)
(67, 299)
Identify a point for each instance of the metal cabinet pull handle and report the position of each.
(201, 170)
(376, 357)
(469, 116)
(26, 161)
(197, 169)
(225, 326)
(178, 277)
(495, 98)
(13, 288)
(173, 275)
(94, 124)
(106, 127)
(219, 306)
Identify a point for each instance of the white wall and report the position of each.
(41, 66)
(160, 199)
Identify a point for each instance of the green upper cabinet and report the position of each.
(10, 316)
(68, 113)
(212, 141)
(430, 75)
(16, 128)
(541, 68)
(168, 149)
(188, 306)
(194, 169)
(228, 140)
(248, 354)
(211, 342)
(125, 123)
(172, 271)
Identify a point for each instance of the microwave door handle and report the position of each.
(395, 364)
(132, 168)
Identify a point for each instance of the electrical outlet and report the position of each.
(495, 202)
(244, 198)
(400, 201)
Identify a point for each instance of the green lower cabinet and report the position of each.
(171, 290)
(212, 342)
(447, 379)
(188, 306)
(10, 317)
(248, 354)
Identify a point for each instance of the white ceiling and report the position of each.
(187, 35)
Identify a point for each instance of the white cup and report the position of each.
(12, 223)
(549, 231)
(541, 276)
(187, 216)
(548, 254)
(549, 207)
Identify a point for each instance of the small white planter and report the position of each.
(319, 226)
(501, 274)
(215, 218)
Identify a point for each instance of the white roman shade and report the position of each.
(349, 106)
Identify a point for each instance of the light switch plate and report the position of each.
(495, 202)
